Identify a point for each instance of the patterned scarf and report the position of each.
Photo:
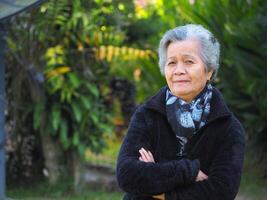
(186, 118)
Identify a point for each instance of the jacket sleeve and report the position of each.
(140, 178)
(224, 174)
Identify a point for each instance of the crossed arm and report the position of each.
(146, 156)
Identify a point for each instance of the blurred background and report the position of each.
(77, 69)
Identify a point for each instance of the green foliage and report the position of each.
(77, 41)
(74, 105)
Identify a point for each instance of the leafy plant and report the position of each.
(63, 57)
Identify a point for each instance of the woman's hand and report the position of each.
(146, 156)
(160, 196)
(201, 176)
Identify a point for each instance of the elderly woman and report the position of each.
(183, 143)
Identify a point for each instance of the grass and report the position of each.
(61, 191)
(253, 187)
(253, 183)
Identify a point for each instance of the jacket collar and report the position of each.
(218, 106)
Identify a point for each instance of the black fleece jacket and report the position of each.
(217, 149)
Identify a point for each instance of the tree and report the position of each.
(63, 52)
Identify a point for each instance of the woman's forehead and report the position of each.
(183, 48)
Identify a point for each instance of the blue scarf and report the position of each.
(186, 118)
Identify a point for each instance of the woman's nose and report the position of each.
(179, 69)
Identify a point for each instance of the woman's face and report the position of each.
(185, 71)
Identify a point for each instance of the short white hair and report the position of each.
(210, 47)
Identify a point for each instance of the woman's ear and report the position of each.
(209, 75)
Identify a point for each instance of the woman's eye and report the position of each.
(189, 62)
(171, 63)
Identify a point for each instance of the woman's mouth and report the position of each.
(181, 81)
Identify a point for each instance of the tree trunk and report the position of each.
(52, 154)
(77, 172)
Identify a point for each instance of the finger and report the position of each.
(141, 159)
(143, 155)
(151, 156)
(159, 196)
(148, 155)
(204, 175)
(201, 177)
